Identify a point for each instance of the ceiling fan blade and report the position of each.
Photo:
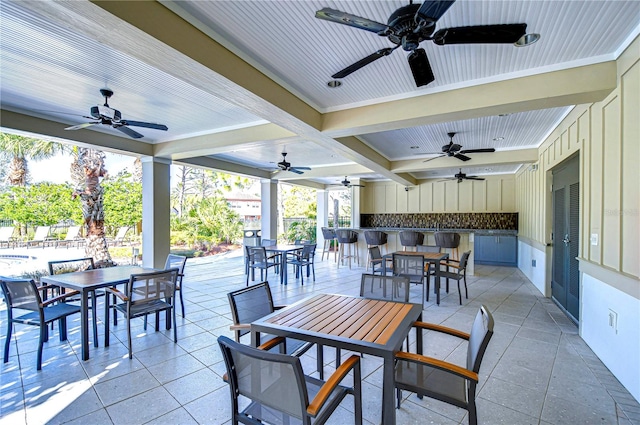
(478, 150)
(295, 170)
(431, 159)
(302, 168)
(145, 124)
(363, 62)
(474, 178)
(433, 10)
(504, 33)
(80, 126)
(462, 157)
(344, 18)
(420, 67)
(129, 132)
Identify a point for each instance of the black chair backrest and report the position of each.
(328, 233)
(272, 379)
(308, 251)
(176, 261)
(21, 293)
(427, 248)
(258, 254)
(249, 304)
(268, 242)
(347, 236)
(464, 259)
(70, 266)
(375, 254)
(411, 238)
(411, 266)
(375, 237)
(145, 288)
(447, 239)
(481, 332)
(390, 288)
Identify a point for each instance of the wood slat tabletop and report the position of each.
(363, 319)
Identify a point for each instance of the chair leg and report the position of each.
(466, 291)
(129, 337)
(459, 293)
(43, 335)
(181, 300)
(8, 340)
(62, 324)
(175, 326)
(398, 397)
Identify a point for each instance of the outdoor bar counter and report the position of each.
(467, 240)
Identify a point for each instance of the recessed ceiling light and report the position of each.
(497, 139)
(503, 115)
(334, 84)
(527, 40)
(414, 147)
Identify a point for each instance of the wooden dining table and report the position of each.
(283, 250)
(90, 280)
(374, 327)
(431, 257)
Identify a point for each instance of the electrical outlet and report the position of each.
(594, 239)
(613, 320)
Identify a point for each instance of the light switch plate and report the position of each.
(594, 239)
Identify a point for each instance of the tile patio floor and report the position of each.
(537, 370)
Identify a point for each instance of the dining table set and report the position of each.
(87, 281)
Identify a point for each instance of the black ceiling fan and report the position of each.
(347, 183)
(409, 25)
(104, 114)
(455, 150)
(284, 165)
(462, 176)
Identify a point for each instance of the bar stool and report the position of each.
(374, 238)
(449, 240)
(329, 235)
(348, 240)
(411, 238)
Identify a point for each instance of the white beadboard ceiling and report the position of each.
(55, 56)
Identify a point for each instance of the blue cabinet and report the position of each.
(499, 250)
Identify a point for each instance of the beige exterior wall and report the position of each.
(495, 194)
(606, 135)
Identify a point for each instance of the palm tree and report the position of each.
(87, 169)
(20, 149)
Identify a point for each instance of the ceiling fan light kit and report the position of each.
(412, 24)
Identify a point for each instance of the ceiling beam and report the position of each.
(574, 86)
(225, 166)
(216, 143)
(85, 138)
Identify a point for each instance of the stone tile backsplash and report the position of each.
(489, 221)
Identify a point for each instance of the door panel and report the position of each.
(565, 284)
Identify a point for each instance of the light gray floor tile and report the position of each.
(175, 368)
(177, 416)
(143, 407)
(125, 386)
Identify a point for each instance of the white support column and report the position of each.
(269, 209)
(156, 211)
(322, 214)
(355, 205)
